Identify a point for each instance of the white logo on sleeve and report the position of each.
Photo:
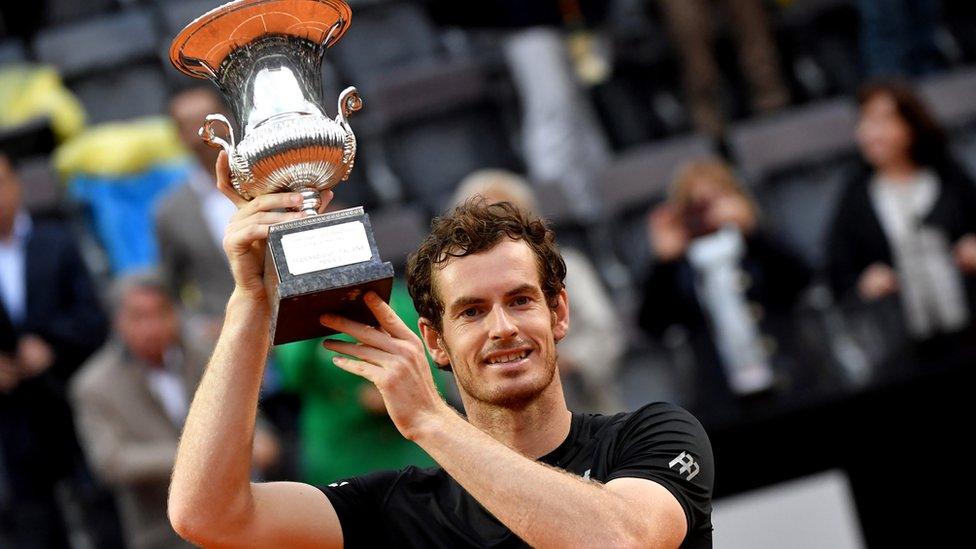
(687, 463)
(338, 484)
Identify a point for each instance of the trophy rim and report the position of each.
(200, 48)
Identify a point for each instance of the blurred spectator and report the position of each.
(589, 357)
(897, 37)
(691, 28)
(130, 401)
(562, 139)
(190, 221)
(50, 322)
(344, 429)
(906, 223)
(718, 273)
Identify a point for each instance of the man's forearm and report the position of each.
(543, 505)
(212, 472)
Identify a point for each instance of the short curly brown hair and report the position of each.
(476, 226)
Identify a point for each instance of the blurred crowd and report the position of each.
(753, 198)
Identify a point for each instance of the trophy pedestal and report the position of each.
(322, 264)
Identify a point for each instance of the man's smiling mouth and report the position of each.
(508, 358)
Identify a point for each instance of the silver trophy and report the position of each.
(266, 58)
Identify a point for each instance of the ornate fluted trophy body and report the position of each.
(265, 56)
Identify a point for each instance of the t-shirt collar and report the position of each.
(553, 457)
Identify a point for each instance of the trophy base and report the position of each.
(322, 264)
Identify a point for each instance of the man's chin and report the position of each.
(515, 392)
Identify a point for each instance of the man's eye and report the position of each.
(470, 312)
(521, 300)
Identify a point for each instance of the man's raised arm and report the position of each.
(212, 501)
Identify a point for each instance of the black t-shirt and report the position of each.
(417, 507)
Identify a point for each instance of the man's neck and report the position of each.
(532, 430)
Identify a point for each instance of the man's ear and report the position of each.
(560, 316)
(432, 339)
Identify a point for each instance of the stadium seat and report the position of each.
(109, 62)
(12, 51)
(398, 231)
(797, 161)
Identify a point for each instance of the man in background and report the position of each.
(50, 322)
(130, 401)
(190, 221)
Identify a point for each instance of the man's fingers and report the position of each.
(365, 370)
(366, 334)
(387, 317)
(222, 171)
(240, 241)
(272, 201)
(365, 353)
(265, 218)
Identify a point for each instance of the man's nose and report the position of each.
(502, 325)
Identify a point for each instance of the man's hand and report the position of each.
(667, 233)
(965, 253)
(877, 281)
(247, 231)
(393, 359)
(34, 356)
(9, 374)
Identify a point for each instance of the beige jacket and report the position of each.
(129, 439)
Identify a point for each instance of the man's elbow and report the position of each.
(203, 524)
(184, 520)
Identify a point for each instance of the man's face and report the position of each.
(498, 332)
(188, 110)
(9, 196)
(147, 323)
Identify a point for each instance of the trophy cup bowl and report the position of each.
(266, 56)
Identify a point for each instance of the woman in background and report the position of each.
(906, 223)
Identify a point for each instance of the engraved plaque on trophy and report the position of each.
(265, 56)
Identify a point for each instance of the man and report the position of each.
(190, 221)
(521, 469)
(50, 322)
(130, 401)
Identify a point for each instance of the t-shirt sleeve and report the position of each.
(358, 502)
(664, 443)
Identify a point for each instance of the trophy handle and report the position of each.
(211, 138)
(349, 102)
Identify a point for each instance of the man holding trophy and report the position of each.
(520, 469)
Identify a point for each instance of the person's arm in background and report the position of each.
(964, 246)
(212, 501)
(664, 302)
(844, 261)
(79, 326)
(598, 340)
(785, 275)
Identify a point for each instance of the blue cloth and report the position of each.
(121, 212)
